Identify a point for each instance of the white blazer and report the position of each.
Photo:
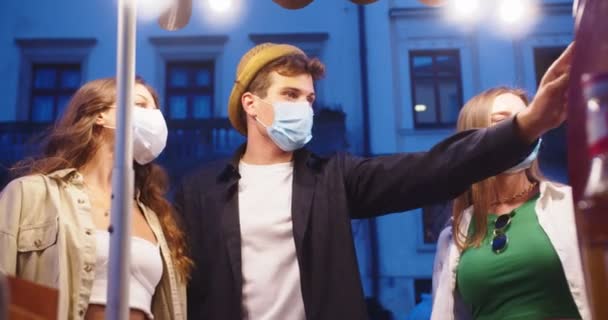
(555, 211)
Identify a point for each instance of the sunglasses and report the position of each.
(500, 239)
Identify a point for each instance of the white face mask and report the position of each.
(149, 134)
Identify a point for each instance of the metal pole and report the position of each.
(122, 174)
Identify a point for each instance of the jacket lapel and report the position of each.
(231, 228)
(232, 233)
(304, 179)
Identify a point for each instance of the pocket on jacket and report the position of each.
(37, 237)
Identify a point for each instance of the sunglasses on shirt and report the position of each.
(500, 239)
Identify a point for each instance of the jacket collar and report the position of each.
(306, 166)
(72, 176)
(230, 172)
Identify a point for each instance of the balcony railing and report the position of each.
(191, 143)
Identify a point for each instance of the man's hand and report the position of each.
(549, 108)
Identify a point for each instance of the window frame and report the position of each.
(540, 65)
(56, 92)
(51, 51)
(434, 53)
(189, 91)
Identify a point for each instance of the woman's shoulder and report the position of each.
(555, 184)
(27, 200)
(40, 180)
(25, 183)
(555, 189)
(38, 185)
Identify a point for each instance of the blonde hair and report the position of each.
(476, 114)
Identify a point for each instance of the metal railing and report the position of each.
(190, 143)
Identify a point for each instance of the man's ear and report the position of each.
(248, 103)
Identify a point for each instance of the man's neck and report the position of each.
(261, 151)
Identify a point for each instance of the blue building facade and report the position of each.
(397, 74)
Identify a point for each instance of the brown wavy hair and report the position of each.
(476, 114)
(74, 140)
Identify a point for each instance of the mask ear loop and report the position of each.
(260, 122)
(256, 117)
(108, 127)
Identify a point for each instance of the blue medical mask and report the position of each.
(527, 163)
(292, 126)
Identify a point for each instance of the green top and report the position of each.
(525, 281)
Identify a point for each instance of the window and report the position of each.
(543, 58)
(436, 87)
(434, 219)
(422, 286)
(555, 165)
(50, 71)
(189, 90)
(52, 87)
(180, 51)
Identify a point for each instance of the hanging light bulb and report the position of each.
(465, 12)
(220, 6)
(516, 17)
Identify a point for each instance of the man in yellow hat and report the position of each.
(270, 231)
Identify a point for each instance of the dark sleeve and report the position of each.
(401, 182)
(187, 206)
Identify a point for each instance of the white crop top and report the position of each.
(146, 271)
